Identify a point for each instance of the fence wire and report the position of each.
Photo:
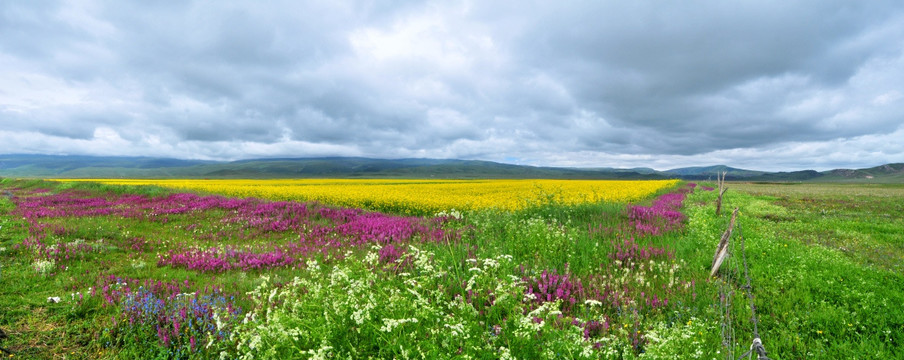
(732, 275)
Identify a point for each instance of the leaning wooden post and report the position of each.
(722, 249)
(722, 189)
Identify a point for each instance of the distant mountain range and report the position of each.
(57, 166)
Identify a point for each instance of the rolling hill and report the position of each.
(62, 166)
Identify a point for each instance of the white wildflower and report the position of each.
(505, 354)
(272, 295)
(218, 320)
(389, 324)
(587, 352)
(43, 266)
(371, 258)
(312, 265)
(338, 276)
(362, 314)
(457, 330)
(471, 282)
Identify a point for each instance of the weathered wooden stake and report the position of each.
(722, 249)
(722, 189)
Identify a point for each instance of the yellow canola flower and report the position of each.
(420, 196)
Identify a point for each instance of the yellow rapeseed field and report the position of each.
(421, 196)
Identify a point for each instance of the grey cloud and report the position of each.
(595, 82)
(646, 64)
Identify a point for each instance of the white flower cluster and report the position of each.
(372, 257)
(43, 266)
(527, 327)
(389, 324)
(505, 354)
(312, 265)
(455, 214)
(458, 330)
(423, 261)
(322, 353)
(665, 340)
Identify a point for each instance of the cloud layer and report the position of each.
(767, 85)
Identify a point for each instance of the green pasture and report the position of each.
(825, 262)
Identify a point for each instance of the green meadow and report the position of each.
(105, 272)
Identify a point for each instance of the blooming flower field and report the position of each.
(146, 272)
(422, 196)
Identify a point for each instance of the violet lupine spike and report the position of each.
(179, 319)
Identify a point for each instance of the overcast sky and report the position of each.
(770, 85)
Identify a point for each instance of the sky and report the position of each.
(766, 85)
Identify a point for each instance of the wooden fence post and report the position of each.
(722, 249)
(722, 189)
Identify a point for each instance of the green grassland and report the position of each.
(824, 261)
(826, 266)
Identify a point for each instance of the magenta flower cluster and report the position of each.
(628, 253)
(320, 230)
(662, 216)
(58, 252)
(550, 286)
(114, 288)
(389, 258)
(659, 218)
(324, 232)
(593, 328)
(215, 260)
(345, 229)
